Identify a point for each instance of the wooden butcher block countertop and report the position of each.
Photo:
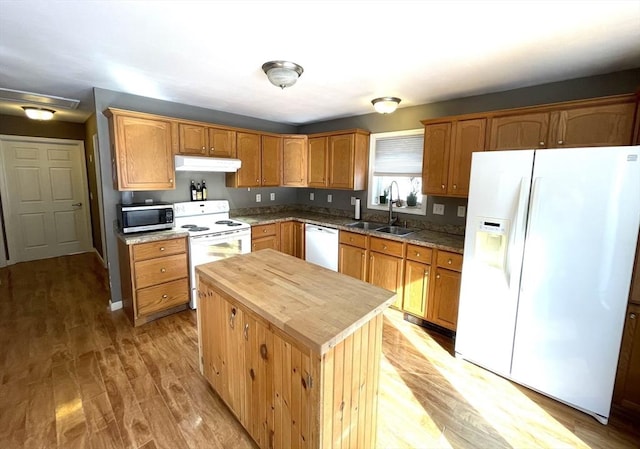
(316, 306)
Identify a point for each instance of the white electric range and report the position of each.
(212, 235)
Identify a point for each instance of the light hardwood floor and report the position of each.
(75, 375)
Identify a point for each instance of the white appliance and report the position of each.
(212, 235)
(321, 246)
(206, 164)
(548, 255)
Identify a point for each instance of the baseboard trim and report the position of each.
(115, 305)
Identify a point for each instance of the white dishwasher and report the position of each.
(321, 246)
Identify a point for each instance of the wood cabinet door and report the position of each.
(294, 161)
(446, 296)
(291, 238)
(593, 126)
(222, 142)
(248, 151)
(317, 162)
(271, 160)
(211, 324)
(519, 132)
(387, 272)
(469, 137)
(416, 288)
(270, 241)
(143, 154)
(352, 261)
(341, 148)
(435, 160)
(193, 139)
(627, 387)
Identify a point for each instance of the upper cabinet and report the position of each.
(447, 155)
(141, 151)
(592, 123)
(339, 160)
(294, 161)
(261, 157)
(202, 140)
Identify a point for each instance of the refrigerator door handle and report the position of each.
(522, 201)
(533, 209)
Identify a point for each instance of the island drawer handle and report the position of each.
(263, 352)
(163, 270)
(165, 296)
(232, 318)
(162, 248)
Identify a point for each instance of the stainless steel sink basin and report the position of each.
(395, 230)
(366, 225)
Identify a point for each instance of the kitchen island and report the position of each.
(292, 348)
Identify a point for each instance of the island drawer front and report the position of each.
(264, 230)
(144, 251)
(385, 246)
(160, 270)
(353, 239)
(450, 261)
(419, 253)
(163, 296)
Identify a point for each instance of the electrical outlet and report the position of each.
(462, 211)
(272, 196)
(329, 198)
(311, 196)
(258, 197)
(438, 209)
(353, 200)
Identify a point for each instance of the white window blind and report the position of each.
(399, 156)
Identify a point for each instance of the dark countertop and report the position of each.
(422, 237)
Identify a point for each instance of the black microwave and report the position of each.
(145, 217)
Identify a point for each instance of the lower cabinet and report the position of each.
(386, 266)
(627, 388)
(417, 275)
(265, 236)
(292, 238)
(446, 291)
(284, 394)
(352, 255)
(154, 278)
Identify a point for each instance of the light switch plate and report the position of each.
(329, 198)
(311, 196)
(272, 196)
(438, 209)
(462, 211)
(258, 197)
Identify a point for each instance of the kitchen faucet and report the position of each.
(391, 219)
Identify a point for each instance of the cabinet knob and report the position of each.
(560, 142)
(212, 149)
(204, 148)
(164, 296)
(541, 143)
(455, 186)
(632, 316)
(437, 276)
(449, 261)
(163, 270)
(264, 230)
(264, 180)
(162, 248)
(171, 181)
(442, 186)
(417, 254)
(257, 180)
(426, 273)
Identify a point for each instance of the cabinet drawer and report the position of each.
(163, 296)
(353, 239)
(144, 251)
(419, 253)
(386, 246)
(450, 261)
(264, 230)
(160, 270)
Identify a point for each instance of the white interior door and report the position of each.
(45, 198)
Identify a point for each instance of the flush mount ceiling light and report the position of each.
(282, 73)
(385, 105)
(38, 113)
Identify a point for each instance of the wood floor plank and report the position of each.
(165, 431)
(71, 426)
(41, 419)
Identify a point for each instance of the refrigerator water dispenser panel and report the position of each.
(491, 242)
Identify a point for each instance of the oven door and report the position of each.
(209, 248)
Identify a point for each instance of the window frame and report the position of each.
(422, 210)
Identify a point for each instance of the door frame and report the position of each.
(4, 188)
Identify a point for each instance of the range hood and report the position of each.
(209, 164)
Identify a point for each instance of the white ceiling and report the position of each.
(210, 53)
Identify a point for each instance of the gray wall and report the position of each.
(106, 98)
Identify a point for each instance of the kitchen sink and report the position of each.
(395, 230)
(366, 225)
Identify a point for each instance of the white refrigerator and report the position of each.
(548, 254)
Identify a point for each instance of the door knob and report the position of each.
(77, 204)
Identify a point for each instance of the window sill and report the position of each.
(420, 209)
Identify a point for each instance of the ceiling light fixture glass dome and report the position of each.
(282, 73)
(38, 113)
(385, 105)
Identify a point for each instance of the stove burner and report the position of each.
(189, 226)
(227, 222)
(197, 228)
(233, 223)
